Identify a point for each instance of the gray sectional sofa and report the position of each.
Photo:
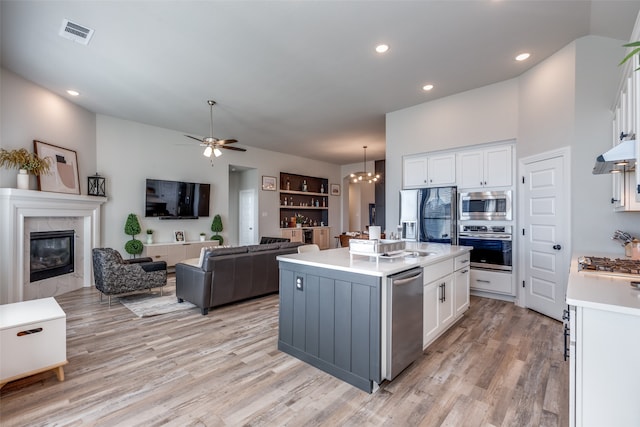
(227, 275)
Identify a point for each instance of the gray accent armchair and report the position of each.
(114, 275)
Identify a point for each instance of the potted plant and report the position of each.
(299, 220)
(203, 236)
(132, 227)
(216, 227)
(149, 236)
(26, 163)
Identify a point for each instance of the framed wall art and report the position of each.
(63, 176)
(335, 189)
(178, 235)
(269, 183)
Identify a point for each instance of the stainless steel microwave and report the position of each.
(485, 205)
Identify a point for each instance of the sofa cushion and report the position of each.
(228, 251)
(263, 247)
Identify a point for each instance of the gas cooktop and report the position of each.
(605, 265)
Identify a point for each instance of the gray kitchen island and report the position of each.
(335, 308)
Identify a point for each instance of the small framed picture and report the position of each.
(335, 189)
(269, 183)
(178, 235)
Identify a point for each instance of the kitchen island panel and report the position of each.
(327, 320)
(331, 320)
(341, 307)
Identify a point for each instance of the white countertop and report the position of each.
(340, 259)
(602, 291)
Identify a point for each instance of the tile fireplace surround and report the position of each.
(23, 211)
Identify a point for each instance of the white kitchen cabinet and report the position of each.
(603, 368)
(441, 170)
(625, 197)
(488, 167)
(461, 285)
(438, 308)
(429, 170)
(414, 171)
(445, 297)
(492, 281)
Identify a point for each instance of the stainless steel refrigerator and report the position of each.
(429, 215)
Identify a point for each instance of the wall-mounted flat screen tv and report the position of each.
(176, 199)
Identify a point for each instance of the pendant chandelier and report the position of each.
(365, 176)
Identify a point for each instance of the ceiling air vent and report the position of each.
(77, 33)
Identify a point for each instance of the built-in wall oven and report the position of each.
(491, 246)
(485, 206)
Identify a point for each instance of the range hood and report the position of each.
(621, 158)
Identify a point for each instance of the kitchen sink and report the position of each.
(416, 254)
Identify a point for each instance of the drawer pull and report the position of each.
(464, 260)
(483, 281)
(29, 332)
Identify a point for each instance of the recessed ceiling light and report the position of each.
(382, 48)
(427, 87)
(522, 56)
(73, 92)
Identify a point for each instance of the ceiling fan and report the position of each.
(212, 144)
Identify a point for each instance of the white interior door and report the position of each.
(546, 234)
(246, 218)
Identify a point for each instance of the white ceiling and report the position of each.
(299, 77)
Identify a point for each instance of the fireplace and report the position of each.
(23, 212)
(51, 254)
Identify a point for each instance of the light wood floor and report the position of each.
(500, 365)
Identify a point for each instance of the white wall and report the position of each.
(31, 112)
(482, 115)
(129, 152)
(565, 101)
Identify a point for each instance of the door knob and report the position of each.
(557, 247)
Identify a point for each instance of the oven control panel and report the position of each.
(506, 229)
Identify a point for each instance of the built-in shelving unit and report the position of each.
(303, 195)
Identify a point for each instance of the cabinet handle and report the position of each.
(567, 332)
(464, 271)
(464, 261)
(483, 281)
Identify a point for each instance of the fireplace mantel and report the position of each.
(15, 206)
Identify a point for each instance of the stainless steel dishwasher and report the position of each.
(404, 320)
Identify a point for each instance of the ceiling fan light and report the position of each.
(207, 152)
(217, 152)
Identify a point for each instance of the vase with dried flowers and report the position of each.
(26, 163)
